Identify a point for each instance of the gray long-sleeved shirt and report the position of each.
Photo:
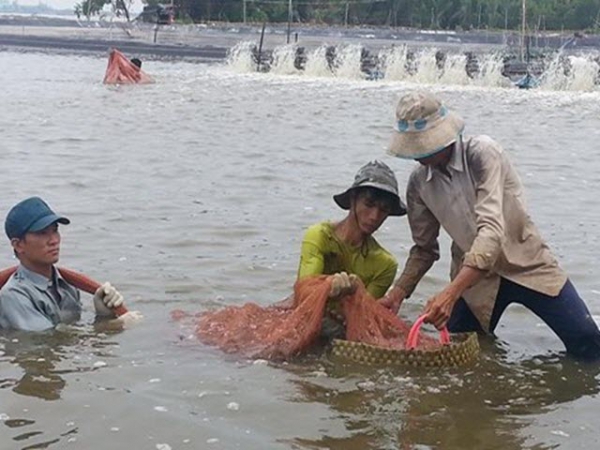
(482, 207)
(30, 301)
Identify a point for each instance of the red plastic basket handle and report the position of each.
(413, 335)
(79, 280)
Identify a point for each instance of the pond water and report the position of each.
(194, 193)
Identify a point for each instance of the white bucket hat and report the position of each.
(423, 126)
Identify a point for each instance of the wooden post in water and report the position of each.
(156, 26)
(523, 29)
(289, 20)
(262, 36)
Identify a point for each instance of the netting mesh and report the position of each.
(121, 70)
(279, 333)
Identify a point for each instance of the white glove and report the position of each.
(342, 284)
(107, 295)
(129, 319)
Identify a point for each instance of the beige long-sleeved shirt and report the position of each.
(481, 207)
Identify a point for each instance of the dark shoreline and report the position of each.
(28, 42)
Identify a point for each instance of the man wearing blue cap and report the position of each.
(36, 297)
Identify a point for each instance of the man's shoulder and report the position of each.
(482, 145)
(419, 173)
(16, 285)
(318, 231)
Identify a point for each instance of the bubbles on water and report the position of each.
(366, 385)
(260, 362)
(424, 66)
(284, 58)
(240, 57)
(233, 406)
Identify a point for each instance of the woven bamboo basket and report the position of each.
(462, 349)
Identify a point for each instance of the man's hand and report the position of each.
(439, 307)
(342, 284)
(393, 299)
(129, 319)
(106, 298)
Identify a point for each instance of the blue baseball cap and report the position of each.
(30, 215)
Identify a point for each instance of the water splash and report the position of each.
(240, 57)
(425, 66)
(348, 62)
(317, 63)
(284, 60)
(571, 73)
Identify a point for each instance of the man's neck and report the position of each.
(347, 230)
(44, 270)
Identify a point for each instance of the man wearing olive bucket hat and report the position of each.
(468, 186)
(346, 249)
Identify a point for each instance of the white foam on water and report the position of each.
(578, 73)
(284, 58)
(316, 63)
(240, 58)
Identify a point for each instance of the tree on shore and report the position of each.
(429, 14)
(89, 8)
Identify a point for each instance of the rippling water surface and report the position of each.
(194, 193)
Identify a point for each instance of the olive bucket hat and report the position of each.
(424, 126)
(377, 175)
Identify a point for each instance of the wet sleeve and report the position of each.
(487, 168)
(384, 279)
(312, 259)
(17, 312)
(425, 230)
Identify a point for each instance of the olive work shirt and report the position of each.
(480, 205)
(323, 253)
(30, 301)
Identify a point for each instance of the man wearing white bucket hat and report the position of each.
(469, 187)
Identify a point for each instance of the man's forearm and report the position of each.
(417, 265)
(467, 276)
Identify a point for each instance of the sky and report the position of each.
(70, 4)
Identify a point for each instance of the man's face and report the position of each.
(439, 159)
(370, 212)
(40, 247)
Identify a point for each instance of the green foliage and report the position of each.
(89, 8)
(436, 14)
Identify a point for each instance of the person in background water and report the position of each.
(36, 297)
(346, 250)
(136, 62)
(468, 186)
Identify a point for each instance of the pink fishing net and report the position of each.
(278, 333)
(121, 70)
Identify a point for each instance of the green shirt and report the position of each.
(323, 253)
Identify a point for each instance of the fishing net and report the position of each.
(121, 70)
(373, 334)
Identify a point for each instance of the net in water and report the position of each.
(121, 70)
(279, 333)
